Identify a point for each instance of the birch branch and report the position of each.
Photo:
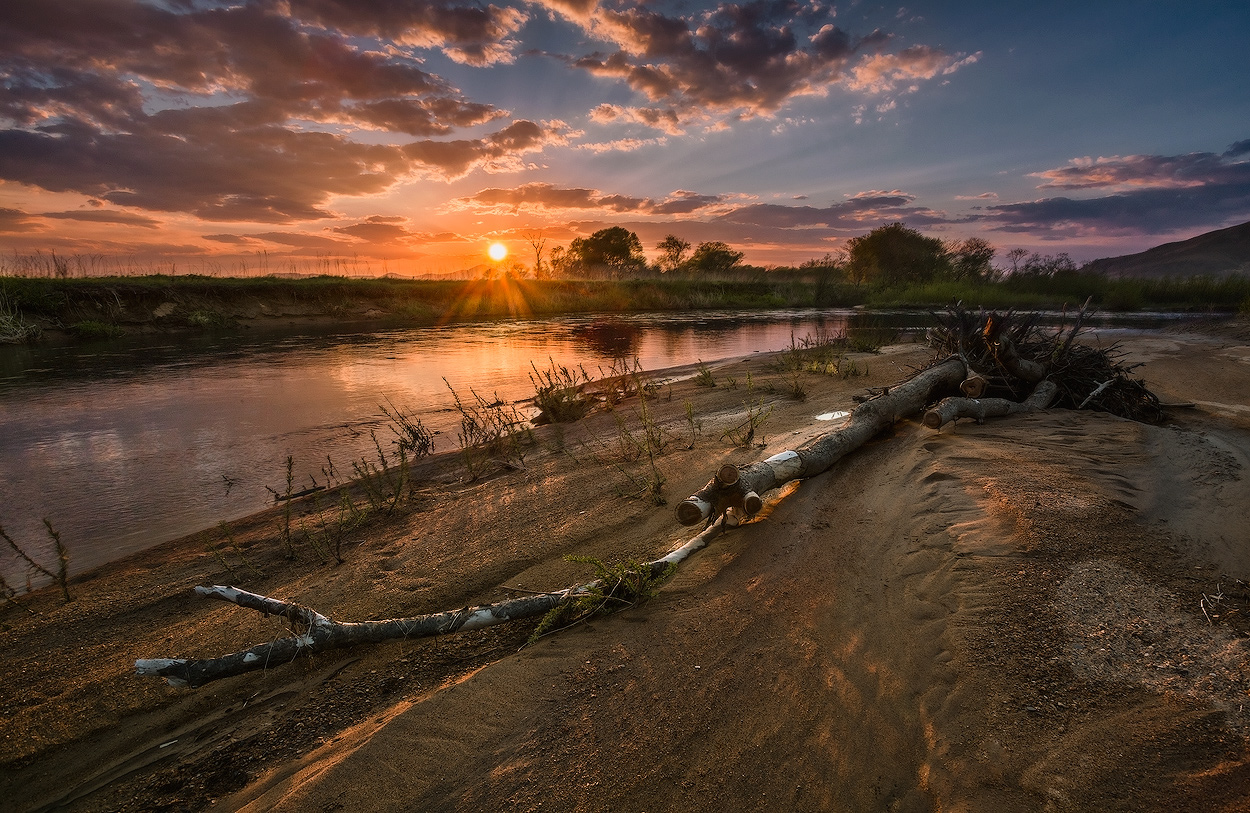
(315, 633)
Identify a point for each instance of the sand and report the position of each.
(1044, 612)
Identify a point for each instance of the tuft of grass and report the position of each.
(14, 329)
(616, 587)
(704, 377)
(232, 546)
(560, 392)
(743, 434)
(489, 429)
(411, 436)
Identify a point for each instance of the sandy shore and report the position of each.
(1042, 612)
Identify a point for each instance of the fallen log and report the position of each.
(952, 409)
(315, 633)
(724, 492)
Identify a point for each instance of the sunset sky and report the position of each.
(411, 135)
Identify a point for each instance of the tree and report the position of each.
(537, 243)
(971, 259)
(672, 252)
(560, 263)
(1014, 257)
(895, 254)
(613, 252)
(1038, 265)
(714, 258)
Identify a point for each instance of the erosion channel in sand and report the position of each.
(1040, 611)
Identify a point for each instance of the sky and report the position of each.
(405, 136)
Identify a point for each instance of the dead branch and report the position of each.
(952, 409)
(316, 633)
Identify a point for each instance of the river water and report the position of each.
(126, 444)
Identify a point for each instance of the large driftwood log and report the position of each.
(951, 409)
(314, 632)
(867, 421)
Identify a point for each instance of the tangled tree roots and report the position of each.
(1007, 354)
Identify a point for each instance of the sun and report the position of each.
(497, 251)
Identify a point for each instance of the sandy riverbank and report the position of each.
(998, 617)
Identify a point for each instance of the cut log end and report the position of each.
(973, 386)
(933, 419)
(692, 512)
(727, 474)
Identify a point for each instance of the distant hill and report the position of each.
(1214, 254)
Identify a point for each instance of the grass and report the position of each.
(560, 393)
(489, 429)
(616, 587)
(60, 296)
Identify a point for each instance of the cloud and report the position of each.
(232, 239)
(15, 220)
(379, 229)
(1148, 211)
(746, 59)
(100, 216)
(1157, 171)
(982, 196)
(883, 73)
(654, 117)
(621, 144)
(264, 174)
(865, 209)
(246, 111)
(497, 152)
(471, 33)
(312, 242)
(1153, 194)
(546, 197)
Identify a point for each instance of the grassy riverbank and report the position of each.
(111, 306)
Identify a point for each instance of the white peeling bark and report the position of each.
(315, 632)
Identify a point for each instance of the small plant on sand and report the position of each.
(61, 576)
(329, 529)
(694, 424)
(384, 481)
(743, 434)
(794, 386)
(632, 445)
(616, 587)
(704, 377)
(489, 429)
(231, 546)
(560, 392)
(411, 436)
(284, 528)
(849, 369)
(623, 380)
